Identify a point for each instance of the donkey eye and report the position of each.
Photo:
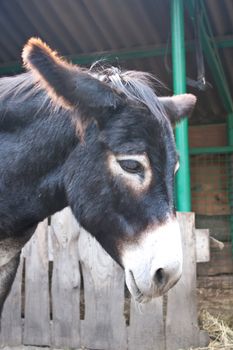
(131, 166)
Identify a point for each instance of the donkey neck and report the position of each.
(33, 149)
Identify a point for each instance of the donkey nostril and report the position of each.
(160, 276)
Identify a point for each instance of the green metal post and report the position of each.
(183, 192)
(230, 143)
(230, 128)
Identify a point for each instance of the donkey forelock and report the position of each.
(135, 85)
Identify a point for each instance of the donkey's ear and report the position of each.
(65, 82)
(178, 106)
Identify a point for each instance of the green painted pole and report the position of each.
(230, 143)
(183, 192)
(230, 128)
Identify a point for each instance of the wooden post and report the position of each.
(11, 321)
(104, 325)
(182, 329)
(65, 280)
(37, 320)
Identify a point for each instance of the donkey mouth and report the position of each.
(153, 292)
(134, 290)
(138, 294)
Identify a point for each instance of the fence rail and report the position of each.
(69, 293)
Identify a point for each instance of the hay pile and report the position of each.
(220, 332)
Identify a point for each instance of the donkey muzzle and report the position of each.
(154, 263)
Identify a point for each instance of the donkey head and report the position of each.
(119, 180)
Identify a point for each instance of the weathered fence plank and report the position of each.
(11, 320)
(146, 330)
(182, 330)
(65, 280)
(37, 320)
(202, 238)
(103, 326)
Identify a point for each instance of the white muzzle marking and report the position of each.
(154, 263)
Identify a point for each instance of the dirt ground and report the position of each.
(24, 348)
(31, 348)
(230, 347)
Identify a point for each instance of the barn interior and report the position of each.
(140, 35)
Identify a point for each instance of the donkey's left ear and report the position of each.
(65, 83)
(178, 106)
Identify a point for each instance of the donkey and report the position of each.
(101, 142)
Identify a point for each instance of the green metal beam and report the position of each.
(211, 150)
(213, 60)
(218, 74)
(224, 41)
(14, 68)
(183, 192)
(110, 56)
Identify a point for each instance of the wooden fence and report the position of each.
(69, 293)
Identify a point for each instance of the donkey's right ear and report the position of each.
(66, 83)
(178, 106)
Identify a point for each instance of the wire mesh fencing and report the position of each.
(212, 193)
(212, 201)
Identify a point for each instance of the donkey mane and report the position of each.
(135, 85)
